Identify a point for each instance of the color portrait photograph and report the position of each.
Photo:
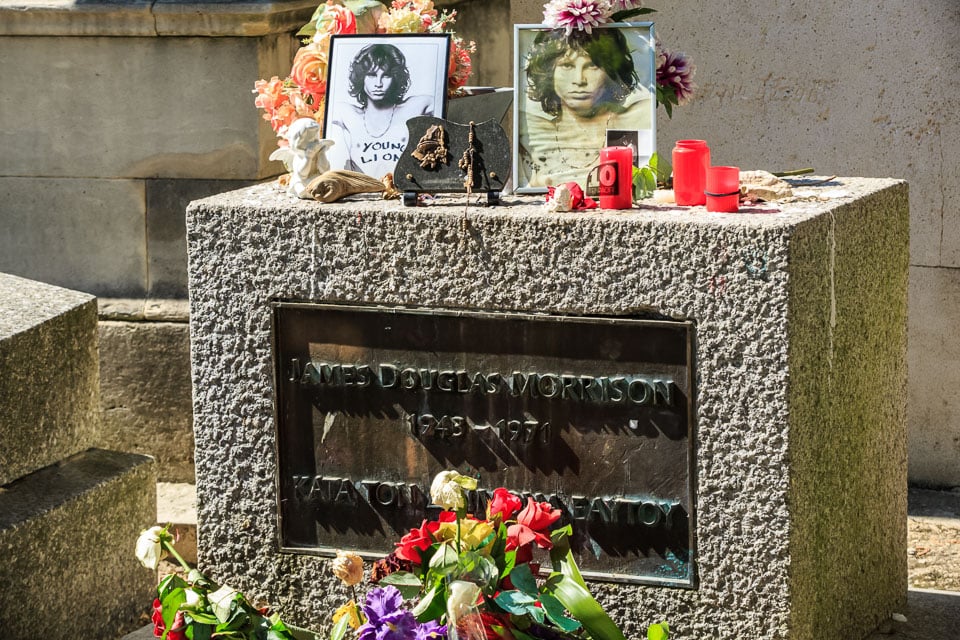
(575, 93)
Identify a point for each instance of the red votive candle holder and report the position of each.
(616, 178)
(690, 161)
(723, 189)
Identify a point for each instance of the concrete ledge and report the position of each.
(48, 375)
(143, 310)
(152, 18)
(68, 533)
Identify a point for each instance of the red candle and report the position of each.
(723, 189)
(616, 178)
(690, 161)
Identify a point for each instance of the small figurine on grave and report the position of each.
(305, 157)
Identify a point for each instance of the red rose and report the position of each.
(418, 540)
(179, 623)
(178, 628)
(495, 626)
(532, 525)
(157, 618)
(413, 543)
(503, 504)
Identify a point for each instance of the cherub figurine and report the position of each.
(305, 157)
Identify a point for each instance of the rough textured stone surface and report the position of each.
(800, 357)
(67, 533)
(48, 375)
(145, 393)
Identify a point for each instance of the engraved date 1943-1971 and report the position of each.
(523, 432)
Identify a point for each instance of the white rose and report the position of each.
(447, 490)
(463, 620)
(461, 597)
(149, 550)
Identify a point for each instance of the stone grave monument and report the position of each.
(69, 513)
(715, 401)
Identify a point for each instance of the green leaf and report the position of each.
(515, 602)
(659, 631)
(583, 607)
(223, 602)
(557, 613)
(561, 556)
(432, 605)
(200, 632)
(168, 584)
(445, 560)
(340, 629)
(522, 578)
(203, 617)
(169, 605)
(408, 584)
(661, 168)
(626, 14)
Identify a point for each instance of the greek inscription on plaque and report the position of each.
(594, 415)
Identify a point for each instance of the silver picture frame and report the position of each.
(574, 95)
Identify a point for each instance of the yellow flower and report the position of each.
(348, 566)
(473, 533)
(349, 609)
(402, 21)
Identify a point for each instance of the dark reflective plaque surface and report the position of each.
(592, 414)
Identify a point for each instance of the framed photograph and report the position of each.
(576, 95)
(375, 83)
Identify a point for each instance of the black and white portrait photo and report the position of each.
(375, 84)
(576, 94)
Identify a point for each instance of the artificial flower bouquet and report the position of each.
(464, 577)
(196, 608)
(302, 93)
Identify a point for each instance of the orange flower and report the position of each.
(269, 94)
(337, 19)
(309, 71)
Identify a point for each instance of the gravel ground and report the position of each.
(933, 544)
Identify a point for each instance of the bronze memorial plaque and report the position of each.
(594, 414)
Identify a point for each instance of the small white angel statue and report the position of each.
(305, 157)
